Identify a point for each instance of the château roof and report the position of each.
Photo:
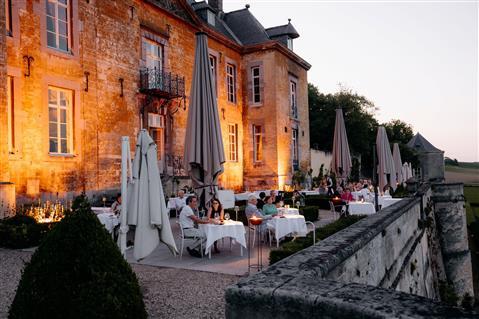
(420, 144)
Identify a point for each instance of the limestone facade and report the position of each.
(98, 75)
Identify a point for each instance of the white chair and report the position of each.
(183, 238)
(313, 230)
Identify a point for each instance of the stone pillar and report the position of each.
(452, 231)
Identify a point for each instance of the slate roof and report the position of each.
(241, 25)
(280, 30)
(420, 144)
(246, 27)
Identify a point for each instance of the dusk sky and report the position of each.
(416, 60)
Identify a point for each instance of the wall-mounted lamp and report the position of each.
(121, 86)
(87, 74)
(28, 59)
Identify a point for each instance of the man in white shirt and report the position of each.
(180, 201)
(187, 222)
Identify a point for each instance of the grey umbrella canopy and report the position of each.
(146, 201)
(341, 161)
(204, 151)
(385, 160)
(398, 163)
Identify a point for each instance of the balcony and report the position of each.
(162, 84)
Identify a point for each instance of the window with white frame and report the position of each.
(295, 146)
(58, 24)
(233, 142)
(231, 81)
(213, 71)
(257, 143)
(153, 57)
(293, 99)
(256, 83)
(290, 44)
(10, 115)
(60, 118)
(8, 16)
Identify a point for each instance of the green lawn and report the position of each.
(472, 196)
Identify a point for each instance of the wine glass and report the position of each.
(227, 216)
(217, 216)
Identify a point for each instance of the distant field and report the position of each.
(462, 174)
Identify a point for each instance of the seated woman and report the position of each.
(346, 196)
(216, 210)
(269, 208)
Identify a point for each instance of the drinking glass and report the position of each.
(217, 216)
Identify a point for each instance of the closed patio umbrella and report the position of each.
(398, 163)
(341, 161)
(204, 152)
(146, 201)
(385, 160)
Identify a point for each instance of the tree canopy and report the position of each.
(361, 125)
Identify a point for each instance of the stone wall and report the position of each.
(386, 265)
(107, 46)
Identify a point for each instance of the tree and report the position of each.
(358, 112)
(400, 132)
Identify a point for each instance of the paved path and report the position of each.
(226, 262)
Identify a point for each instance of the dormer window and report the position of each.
(211, 18)
(290, 43)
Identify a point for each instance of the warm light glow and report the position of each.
(47, 212)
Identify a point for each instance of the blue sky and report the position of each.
(416, 60)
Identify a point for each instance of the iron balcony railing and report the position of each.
(162, 83)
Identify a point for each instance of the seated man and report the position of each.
(365, 193)
(187, 222)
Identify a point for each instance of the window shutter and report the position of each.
(261, 83)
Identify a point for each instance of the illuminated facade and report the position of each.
(77, 75)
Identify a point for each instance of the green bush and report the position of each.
(291, 247)
(310, 213)
(22, 231)
(78, 272)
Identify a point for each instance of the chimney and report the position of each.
(216, 4)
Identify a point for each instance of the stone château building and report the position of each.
(76, 75)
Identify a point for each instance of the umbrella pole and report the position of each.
(125, 151)
(375, 179)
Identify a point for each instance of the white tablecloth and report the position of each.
(109, 220)
(382, 198)
(289, 211)
(242, 196)
(231, 228)
(101, 210)
(308, 193)
(227, 198)
(359, 208)
(289, 224)
(389, 201)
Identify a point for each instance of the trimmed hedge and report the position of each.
(310, 213)
(78, 272)
(22, 231)
(322, 201)
(291, 247)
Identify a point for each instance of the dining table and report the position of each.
(229, 228)
(288, 211)
(361, 208)
(287, 224)
(109, 220)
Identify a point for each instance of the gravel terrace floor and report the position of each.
(168, 293)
